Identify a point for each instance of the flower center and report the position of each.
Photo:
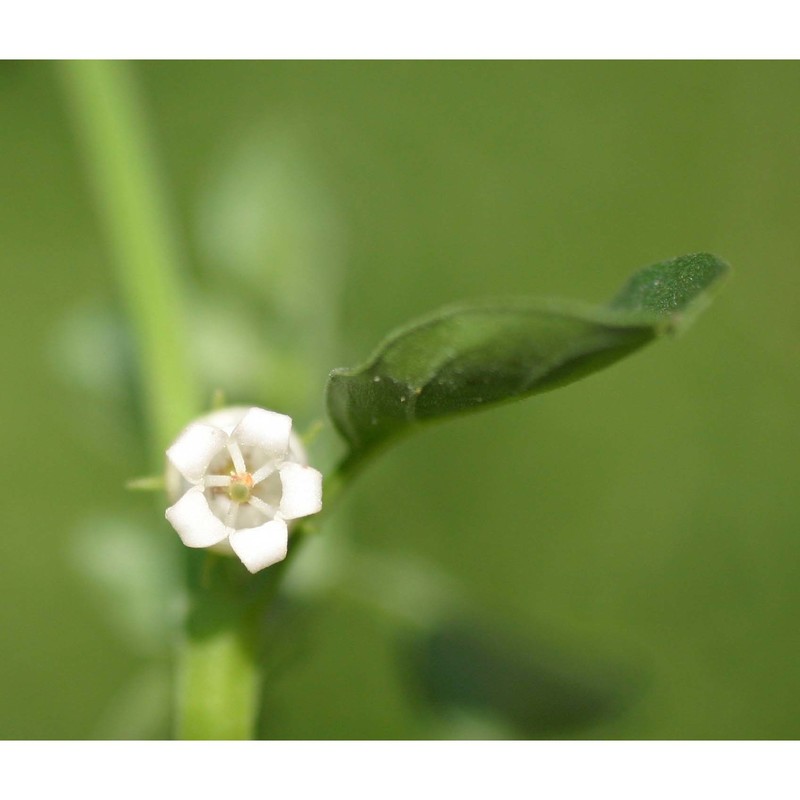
(239, 490)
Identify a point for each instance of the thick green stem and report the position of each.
(227, 621)
(219, 683)
(218, 687)
(219, 680)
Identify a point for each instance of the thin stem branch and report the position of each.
(106, 109)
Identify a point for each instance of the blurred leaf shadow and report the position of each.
(537, 689)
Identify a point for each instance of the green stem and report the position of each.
(226, 630)
(111, 125)
(218, 675)
(343, 474)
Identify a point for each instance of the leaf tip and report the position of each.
(677, 288)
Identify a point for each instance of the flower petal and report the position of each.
(192, 451)
(262, 546)
(267, 430)
(302, 491)
(194, 521)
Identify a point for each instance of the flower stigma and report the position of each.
(239, 490)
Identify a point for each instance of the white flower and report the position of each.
(241, 475)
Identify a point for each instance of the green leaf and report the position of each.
(675, 289)
(478, 354)
(538, 689)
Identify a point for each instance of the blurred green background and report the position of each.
(638, 529)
